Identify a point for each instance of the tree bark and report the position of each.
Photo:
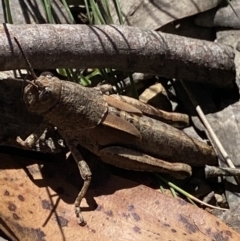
(120, 47)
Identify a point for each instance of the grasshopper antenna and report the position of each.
(27, 61)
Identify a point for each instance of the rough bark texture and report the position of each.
(120, 47)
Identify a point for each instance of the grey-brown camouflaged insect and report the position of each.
(122, 131)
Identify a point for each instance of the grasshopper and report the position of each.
(120, 130)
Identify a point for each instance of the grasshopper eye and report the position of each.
(45, 94)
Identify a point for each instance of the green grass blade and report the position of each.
(88, 12)
(105, 11)
(93, 73)
(98, 18)
(188, 195)
(48, 10)
(69, 76)
(104, 73)
(119, 11)
(174, 194)
(68, 11)
(8, 11)
(84, 80)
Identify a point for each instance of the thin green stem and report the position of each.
(68, 11)
(48, 9)
(188, 195)
(8, 11)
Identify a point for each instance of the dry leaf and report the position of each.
(155, 14)
(37, 208)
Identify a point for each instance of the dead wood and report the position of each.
(121, 47)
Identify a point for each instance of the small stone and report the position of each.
(219, 198)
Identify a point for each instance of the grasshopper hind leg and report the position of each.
(133, 160)
(86, 175)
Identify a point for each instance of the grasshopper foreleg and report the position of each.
(31, 140)
(86, 175)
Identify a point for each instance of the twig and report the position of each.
(113, 47)
(208, 127)
(208, 197)
(188, 195)
(211, 171)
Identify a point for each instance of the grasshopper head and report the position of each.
(43, 94)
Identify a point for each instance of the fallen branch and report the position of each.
(211, 171)
(120, 47)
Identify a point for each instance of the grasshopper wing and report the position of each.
(177, 120)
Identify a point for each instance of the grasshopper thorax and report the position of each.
(41, 96)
